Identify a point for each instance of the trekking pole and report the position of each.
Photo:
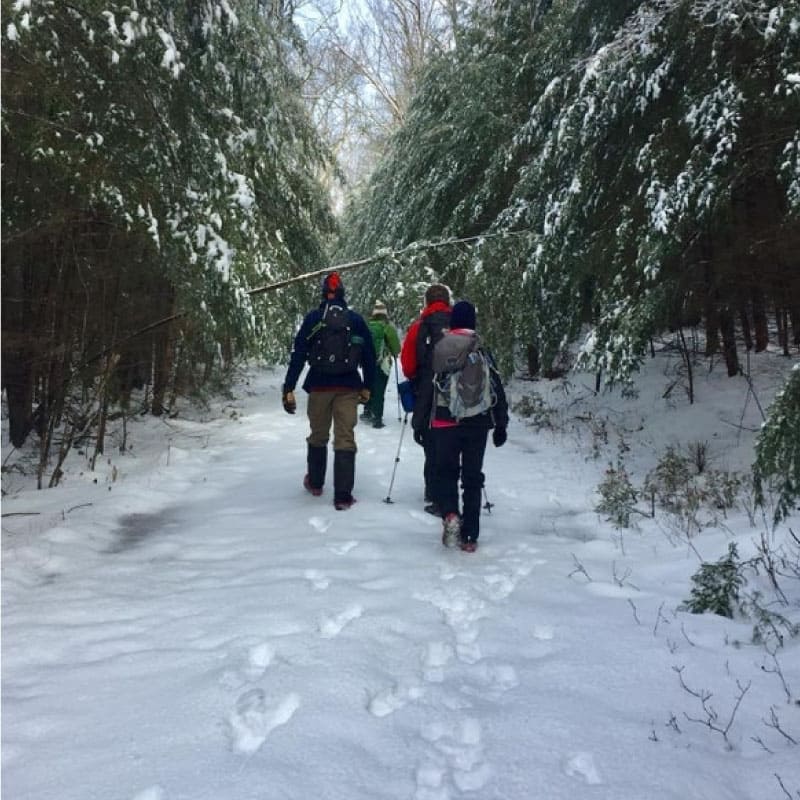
(487, 505)
(388, 498)
(397, 382)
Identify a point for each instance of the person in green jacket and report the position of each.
(387, 346)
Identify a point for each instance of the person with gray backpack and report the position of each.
(469, 401)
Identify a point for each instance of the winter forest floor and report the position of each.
(186, 623)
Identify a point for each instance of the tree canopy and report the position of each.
(646, 154)
(157, 157)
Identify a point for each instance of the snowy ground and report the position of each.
(185, 623)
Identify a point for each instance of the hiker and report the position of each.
(335, 341)
(469, 399)
(415, 359)
(387, 345)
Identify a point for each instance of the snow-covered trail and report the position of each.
(230, 636)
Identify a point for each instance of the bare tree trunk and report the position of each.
(534, 363)
(794, 318)
(710, 302)
(728, 329)
(746, 332)
(687, 360)
(782, 320)
(760, 322)
(163, 357)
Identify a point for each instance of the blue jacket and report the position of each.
(317, 381)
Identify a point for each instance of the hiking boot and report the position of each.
(378, 424)
(451, 530)
(433, 508)
(468, 545)
(317, 460)
(366, 415)
(311, 489)
(343, 505)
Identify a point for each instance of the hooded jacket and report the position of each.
(317, 381)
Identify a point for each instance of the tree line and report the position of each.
(636, 166)
(157, 157)
(647, 154)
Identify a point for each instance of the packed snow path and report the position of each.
(206, 630)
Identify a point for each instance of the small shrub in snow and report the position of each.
(698, 455)
(617, 496)
(670, 481)
(724, 488)
(533, 408)
(768, 625)
(717, 586)
(684, 486)
(777, 466)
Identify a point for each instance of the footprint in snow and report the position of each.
(258, 659)
(390, 700)
(317, 579)
(500, 586)
(499, 678)
(456, 758)
(254, 719)
(436, 657)
(342, 548)
(319, 524)
(543, 632)
(331, 627)
(461, 611)
(581, 765)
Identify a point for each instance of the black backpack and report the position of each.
(333, 348)
(431, 329)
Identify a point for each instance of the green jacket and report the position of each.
(386, 341)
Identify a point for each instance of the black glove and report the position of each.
(289, 403)
(499, 437)
(419, 437)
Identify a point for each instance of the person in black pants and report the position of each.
(415, 359)
(460, 445)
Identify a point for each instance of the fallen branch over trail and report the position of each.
(381, 255)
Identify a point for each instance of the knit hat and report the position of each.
(332, 284)
(463, 315)
(380, 310)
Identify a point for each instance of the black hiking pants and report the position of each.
(459, 452)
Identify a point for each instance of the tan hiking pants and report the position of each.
(339, 407)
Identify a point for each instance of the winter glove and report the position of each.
(419, 438)
(289, 403)
(499, 437)
(364, 395)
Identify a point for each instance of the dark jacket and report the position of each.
(415, 358)
(317, 381)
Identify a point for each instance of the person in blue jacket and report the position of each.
(336, 343)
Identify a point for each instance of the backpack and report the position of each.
(462, 376)
(430, 331)
(333, 348)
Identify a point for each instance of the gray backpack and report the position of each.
(462, 375)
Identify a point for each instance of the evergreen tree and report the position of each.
(645, 153)
(158, 160)
(778, 450)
